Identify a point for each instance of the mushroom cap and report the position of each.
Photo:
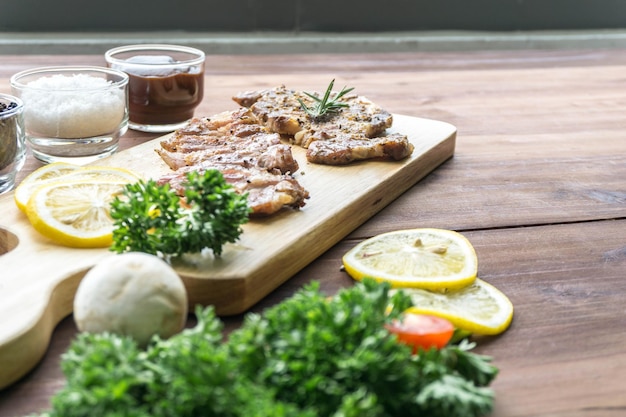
(132, 294)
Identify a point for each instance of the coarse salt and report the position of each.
(77, 106)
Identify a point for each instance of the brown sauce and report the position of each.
(169, 99)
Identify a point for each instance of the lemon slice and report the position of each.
(74, 213)
(479, 308)
(38, 177)
(68, 172)
(434, 259)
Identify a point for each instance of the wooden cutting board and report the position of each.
(38, 279)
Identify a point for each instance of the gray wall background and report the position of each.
(309, 15)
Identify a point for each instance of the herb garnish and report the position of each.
(325, 104)
(151, 218)
(308, 356)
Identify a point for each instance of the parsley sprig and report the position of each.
(326, 104)
(151, 218)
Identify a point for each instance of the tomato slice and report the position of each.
(422, 331)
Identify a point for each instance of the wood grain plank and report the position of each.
(502, 181)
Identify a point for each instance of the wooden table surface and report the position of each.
(537, 183)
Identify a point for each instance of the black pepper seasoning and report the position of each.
(8, 133)
(11, 140)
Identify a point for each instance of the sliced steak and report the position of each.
(338, 151)
(246, 144)
(268, 192)
(251, 158)
(231, 137)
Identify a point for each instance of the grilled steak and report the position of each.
(268, 192)
(251, 159)
(228, 137)
(353, 133)
(246, 146)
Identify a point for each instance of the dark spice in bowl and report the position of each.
(8, 134)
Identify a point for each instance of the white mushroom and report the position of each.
(133, 294)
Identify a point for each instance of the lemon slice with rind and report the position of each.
(433, 259)
(74, 213)
(38, 177)
(479, 308)
(68, 172)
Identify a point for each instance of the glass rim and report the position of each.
(11, 112)
(72, 70)
(109, 55)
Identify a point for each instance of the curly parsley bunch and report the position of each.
(151, 218)
(310, 355)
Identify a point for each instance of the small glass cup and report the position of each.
(166, 84)
(73, 114)
(12, 144)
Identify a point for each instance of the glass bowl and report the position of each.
(73, 114)
(166, 83)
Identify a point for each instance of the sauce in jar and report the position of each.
(166, 84)
(158, 97)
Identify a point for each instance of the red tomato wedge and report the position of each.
(422, 331)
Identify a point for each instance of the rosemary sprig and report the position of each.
(325, 104)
